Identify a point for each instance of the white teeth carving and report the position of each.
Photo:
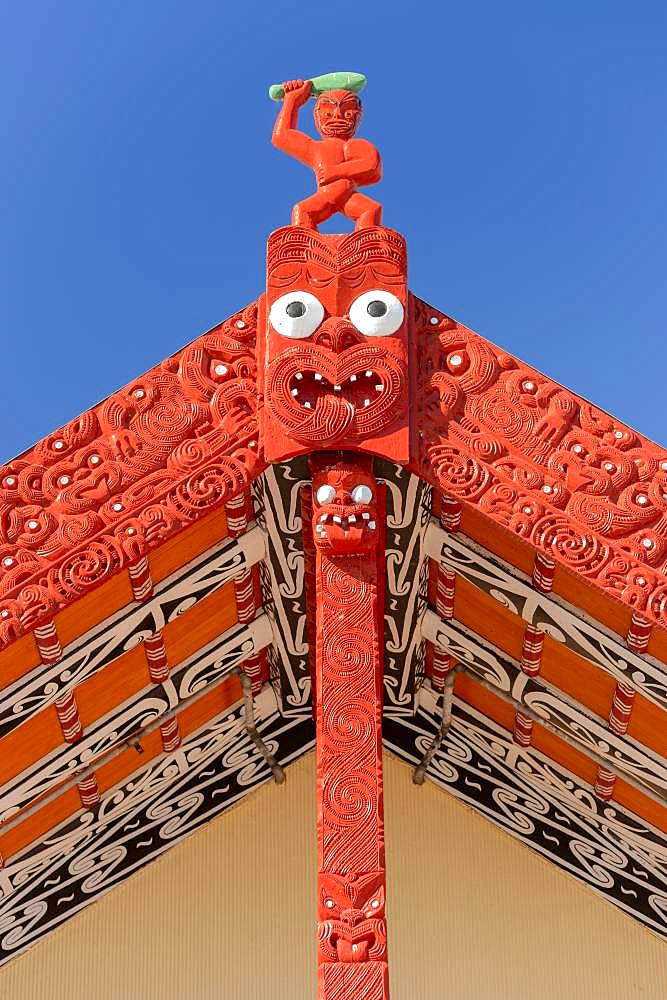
(323, 517)
(371, 525)
(379, 387)
(367, 402)
(353, 378)
(295, 392)
(318, 377)
(337, 388)
(368, 374)
(299, 375)
(337, 519)
(307, 405)
(366, 515)
(352, 518)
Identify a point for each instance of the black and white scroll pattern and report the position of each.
(639, 764)
(550, 614)
(207, 665)
(159, 806)
(536, 800)
(408, 513)
(277, 501)
(121, 631)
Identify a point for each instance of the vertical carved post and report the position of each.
(352, 944)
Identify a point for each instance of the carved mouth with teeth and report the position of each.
(345, 529)
(361, 390)
(323, 398)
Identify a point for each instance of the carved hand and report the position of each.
(297, 91)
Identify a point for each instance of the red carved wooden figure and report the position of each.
(335, 365)
(352, 942)
(341, 163)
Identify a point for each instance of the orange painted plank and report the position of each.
(18, 659)
(128, 761)
(484, 701)
(486, 616)
(577, 677)
(76, 619)
(112, 685)
(495, 538)
(121, 767)
(585, 595)
(187, 544)
(28, 742)
(648, 725)
(209, 705)
(203, 622)
(37, 825)
(574, 760)
(657, 645)
(637, 803)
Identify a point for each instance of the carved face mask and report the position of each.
(344, 510)
(337, 114)
(336, 348)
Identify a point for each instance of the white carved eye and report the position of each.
(296, 315)
(325, 493)
(361, 494)
(377, 313)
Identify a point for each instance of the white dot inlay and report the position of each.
(221, 369)
(647, 543)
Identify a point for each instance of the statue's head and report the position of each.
(337, 114)
(345, 510)
(335, 346)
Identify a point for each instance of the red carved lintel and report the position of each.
(352, 943)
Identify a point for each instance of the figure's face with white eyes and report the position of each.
(345, 513)
(336, 371)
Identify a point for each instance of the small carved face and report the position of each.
(344, 510)
(336, 371)
(351, 915)
(337, 114)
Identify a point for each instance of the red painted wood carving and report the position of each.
(341, 163)
(352, 943)
(96, 495)
(585, 490)
(335, 365)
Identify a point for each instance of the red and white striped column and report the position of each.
(236, 511)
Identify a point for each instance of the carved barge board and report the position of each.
(352, 948)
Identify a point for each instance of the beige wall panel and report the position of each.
(473, 914)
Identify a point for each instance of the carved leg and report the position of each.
(352, 948)
(363, 210)
(321, 206)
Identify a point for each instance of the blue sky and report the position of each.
(525, 159)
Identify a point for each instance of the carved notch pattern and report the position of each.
(351, 929)
(95, 496)
(560, 473)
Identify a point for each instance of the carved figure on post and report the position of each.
(341, 163)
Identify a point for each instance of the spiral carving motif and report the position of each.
(351, 930)
(103, 490)
(540, 461)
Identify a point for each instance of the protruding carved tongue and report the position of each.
(332, 416)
